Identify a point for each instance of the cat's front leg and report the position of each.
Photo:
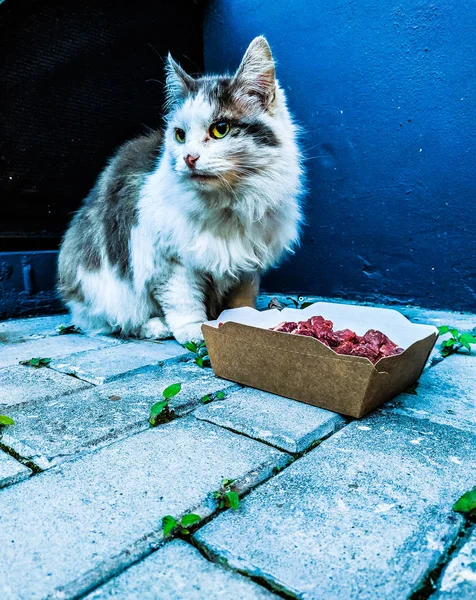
(243, 293)
(182, 301)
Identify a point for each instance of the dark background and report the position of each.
(385, 94)
(78, 78)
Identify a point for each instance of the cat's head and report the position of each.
(223, 131)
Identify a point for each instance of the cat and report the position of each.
(183, 222)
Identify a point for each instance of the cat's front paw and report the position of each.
(154, 329)
(189, 333)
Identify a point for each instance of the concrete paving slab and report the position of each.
(107, 364)
(365, 515)
(51, 347)
(284, 423)
(458, 580)
(21, 385)
(21, 330)
(76, 526)
(11, 471)
(179, 572)
(446, 394)
(47, 432)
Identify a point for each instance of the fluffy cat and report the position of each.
(182, 223)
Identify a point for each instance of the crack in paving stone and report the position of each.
(150, 542)
(153, 492)
(282, 593)
(264, 579)
(430, 583)
(27, 463)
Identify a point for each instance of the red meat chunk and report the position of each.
(373, 345)
(345, 335)
(344, 348)
(285, 327)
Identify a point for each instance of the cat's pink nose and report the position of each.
(191, 159)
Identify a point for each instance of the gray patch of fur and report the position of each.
(102, 226)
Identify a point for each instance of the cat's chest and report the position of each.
(226, 255)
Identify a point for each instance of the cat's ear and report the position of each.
(256, 74)
(178, 84)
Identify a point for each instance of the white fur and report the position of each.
(185, 229)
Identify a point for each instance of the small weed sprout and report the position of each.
(160, 411)
(467, 503)
(296, 303)
(68, 329)
(4, 420)
(456, 341)
(210, 397)
(226, 496)
(36, 362)
(169, 523)
(201, 353)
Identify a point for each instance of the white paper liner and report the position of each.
(344, 316)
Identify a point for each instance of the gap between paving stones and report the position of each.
(150, 542)
(220, 556)
(430, 583)
(38, 461)
(24, 461)
(296, 455)
(136, 553)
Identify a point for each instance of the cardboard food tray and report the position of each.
(243, 349)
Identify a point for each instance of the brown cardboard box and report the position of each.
(244, 350)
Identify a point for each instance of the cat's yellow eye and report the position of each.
(180, 135)
(219, 130)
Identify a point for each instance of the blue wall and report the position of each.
(386, 94)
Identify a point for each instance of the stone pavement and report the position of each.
(330, 507)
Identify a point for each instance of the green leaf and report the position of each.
(155, 410)
(202, 351)
(467, 337)
(189, 519)
(305, 305)
(192, 346)
(448, 343)
(443, 329)
(467, 503)
(4, 420)
(67, 329)
(168, 523)
(36, 362)
(184, 531)
(465, 344)
(233, 499)
(220, 395)
(199, 361)
(158, 407)
(206, 399)
(226, 482)
(172, 390)
(454, 332)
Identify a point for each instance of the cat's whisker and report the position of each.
(314, 157)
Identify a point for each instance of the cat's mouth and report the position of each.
(203, 177)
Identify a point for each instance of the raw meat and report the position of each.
(373, 345)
